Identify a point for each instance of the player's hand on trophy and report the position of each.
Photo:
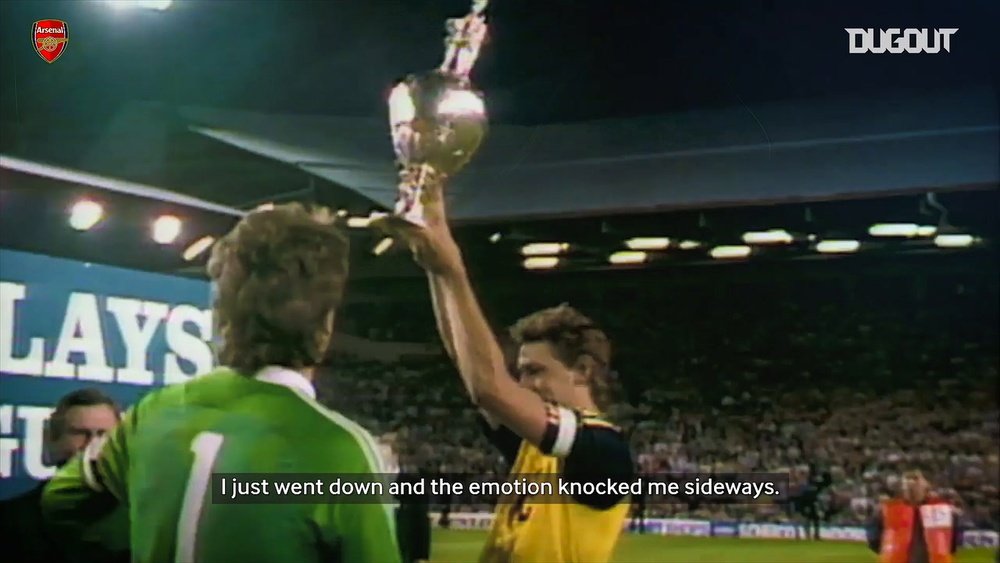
(323, 215)
(433, 245)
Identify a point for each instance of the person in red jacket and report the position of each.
(919, 527)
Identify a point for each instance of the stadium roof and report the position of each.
(85, 179)
(35, 199)
(809, 150)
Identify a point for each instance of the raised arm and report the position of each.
(481, 362)
(468, 337)
(441, 316)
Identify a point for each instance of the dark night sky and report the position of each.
(549, 61)
(568, 60)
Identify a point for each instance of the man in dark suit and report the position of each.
(79, 418)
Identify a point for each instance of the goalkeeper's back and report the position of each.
(278, 277)
(160, 459)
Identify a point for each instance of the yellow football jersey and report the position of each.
(574, 529)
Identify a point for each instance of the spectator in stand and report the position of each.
(847, 382)
(918, 527)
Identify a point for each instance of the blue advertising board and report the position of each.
(66, 325)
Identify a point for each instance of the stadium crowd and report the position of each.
(851, 382)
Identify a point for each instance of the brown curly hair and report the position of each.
(573, 336)
(279, 276)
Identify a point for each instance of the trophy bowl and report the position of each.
(437, 119)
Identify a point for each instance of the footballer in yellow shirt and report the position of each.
(545, 420)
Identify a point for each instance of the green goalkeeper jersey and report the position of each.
(159, 460)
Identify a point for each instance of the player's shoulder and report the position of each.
(297, 412)
(605, 431)
(329, 421)
(598, 440)
(194, 388)
(599, 451)
(338, 434)
(595, 420)
(180, 395)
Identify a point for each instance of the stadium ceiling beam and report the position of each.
(112, 184)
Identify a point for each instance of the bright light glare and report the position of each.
(541, 248)
(197, 247)
(627, 257)
(541, 262)
(166, 229)
(954, 241)
(926, 231)
(85, 214)
(401, 108)
(358, 222)
(147, 4)
(495, 238)
(382, 246)
(837, 246)
(773, 236)
(689, 244)
(460, 102)
(737, 251)
(893, 230)
(647, 243)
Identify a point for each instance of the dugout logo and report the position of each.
(895, 40)
(50, 38)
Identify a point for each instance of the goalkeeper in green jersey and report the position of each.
(278, 278)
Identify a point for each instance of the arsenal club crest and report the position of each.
(50, 38)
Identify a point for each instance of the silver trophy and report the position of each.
(437, 120)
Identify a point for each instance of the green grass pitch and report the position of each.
(459, 546)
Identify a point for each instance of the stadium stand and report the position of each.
(864, 374)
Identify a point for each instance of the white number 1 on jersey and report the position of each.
(206, 447)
